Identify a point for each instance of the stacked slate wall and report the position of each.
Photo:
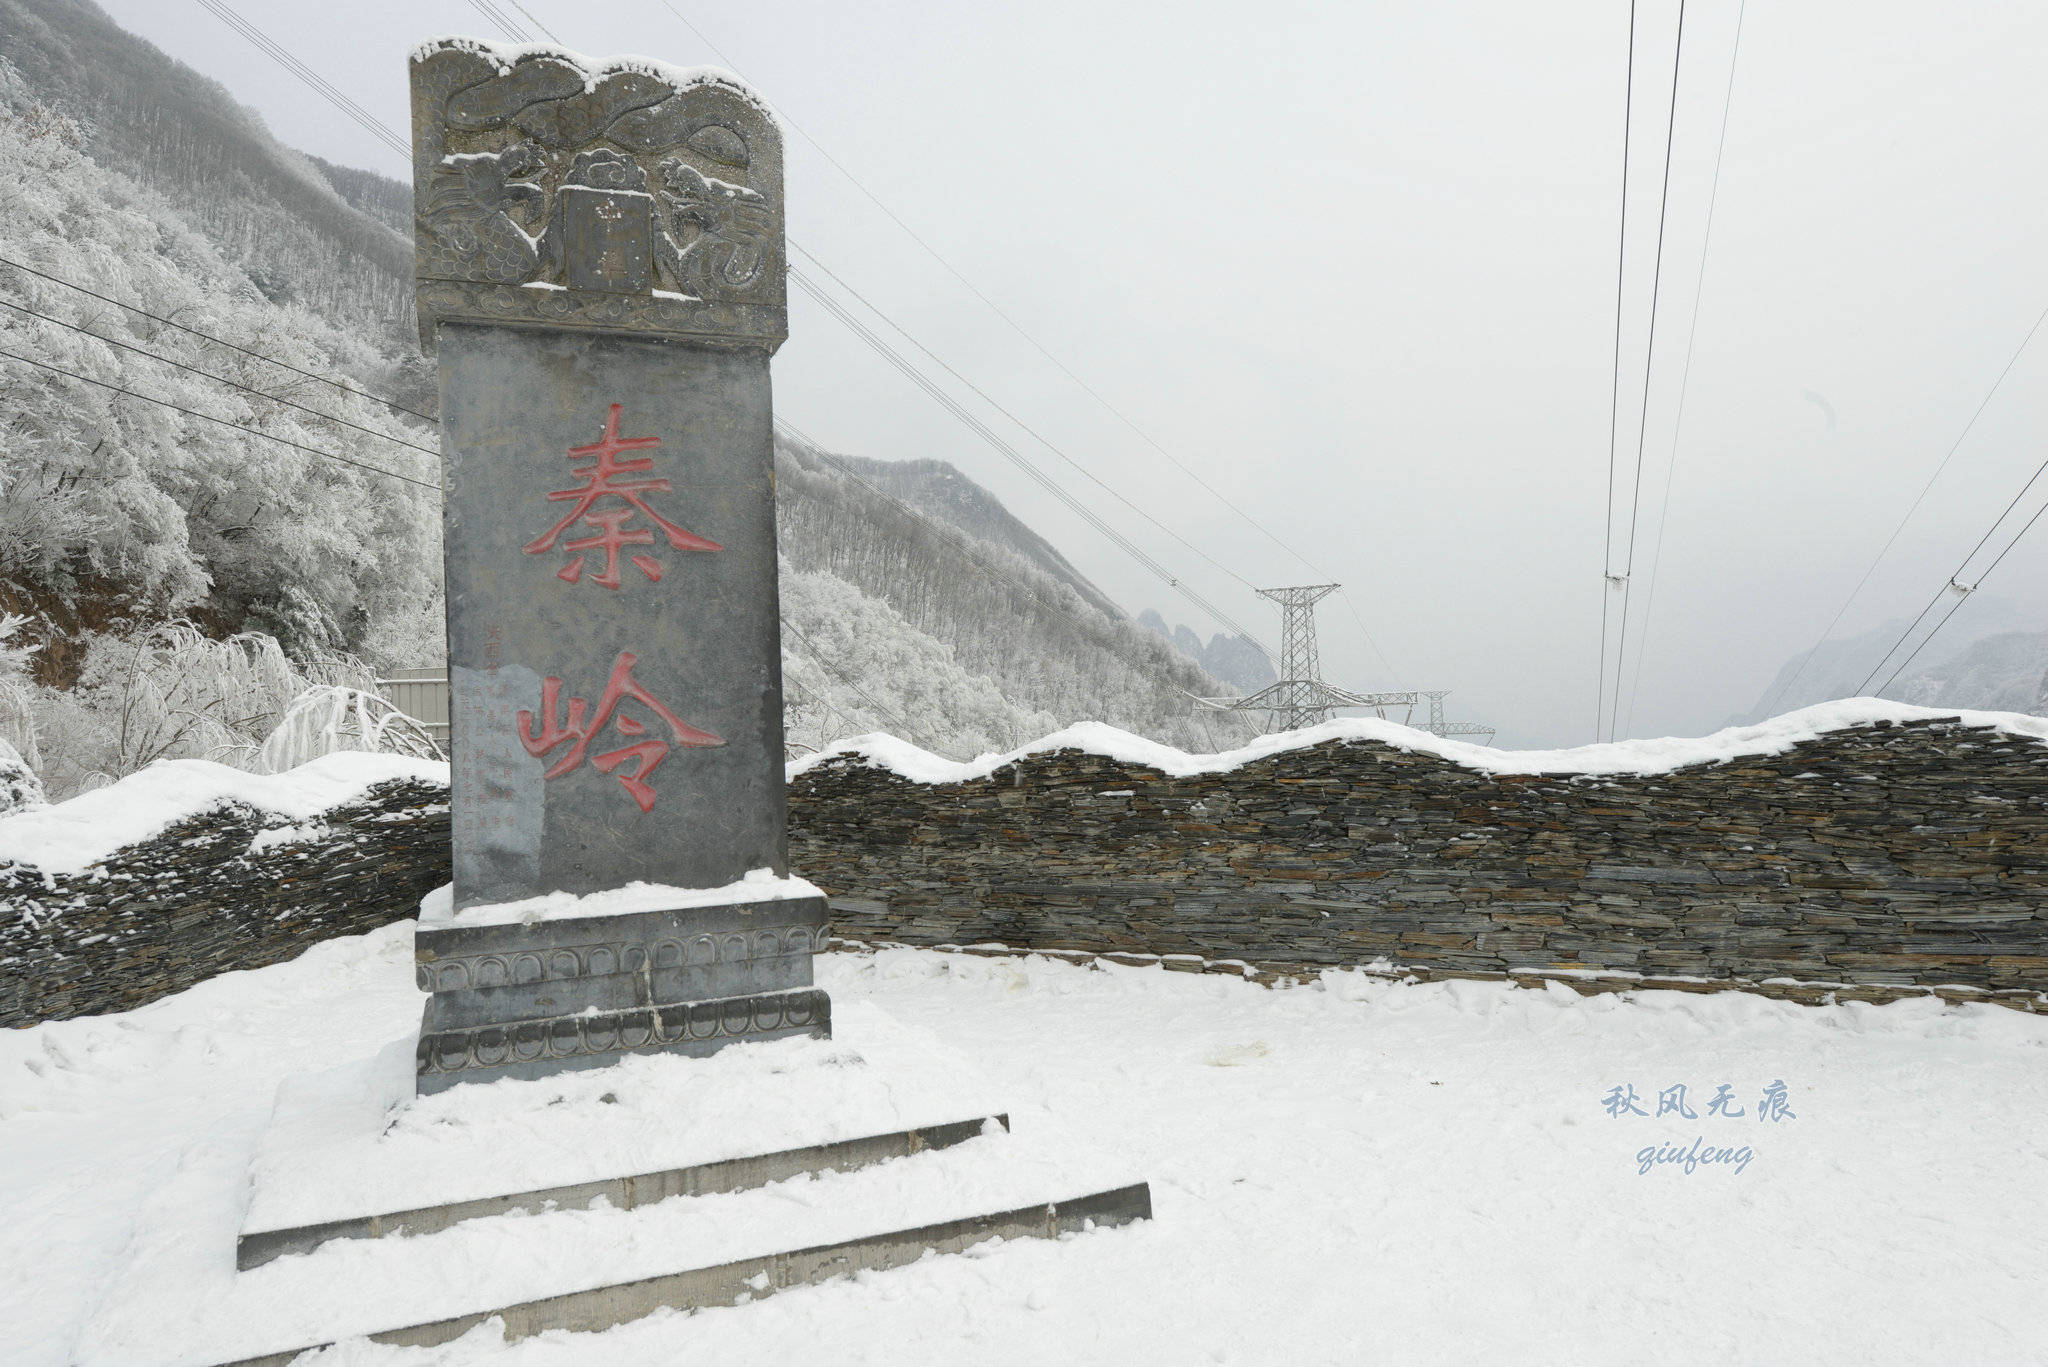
(170, 912)
(1912, 853)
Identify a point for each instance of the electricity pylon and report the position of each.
(1301, 698)
(1437, 726)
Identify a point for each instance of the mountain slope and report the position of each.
(1048, 638)
(936, 488)
(269, 209)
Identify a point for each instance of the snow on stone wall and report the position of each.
(226, 885)
(1861, 844)
(1896, 849)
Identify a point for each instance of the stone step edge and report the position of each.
(253, 1248)
(733, 1283)
(1269, 973)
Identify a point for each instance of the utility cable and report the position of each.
(224, 422)
(1628, 110)
(276, 51)
(1033, 341)
(1685, 375)
(1635, 504)
(505, 24)
(220, 8)
(535, 22)
(1023, 426)
(222, 379)
(882, 348)
(1964, 595)
(1955, 581)
(217, 341)
(1925, 489)
(903, 728)
(957, 537)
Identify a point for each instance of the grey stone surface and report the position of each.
(612, 963)
(600, 267)
(602, 1307)
(535, 1047)
(613, 196)
(519, 1000)
(256, 1247)
(1881, 855)
(680, 781)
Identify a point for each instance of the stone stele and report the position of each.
(600, 272)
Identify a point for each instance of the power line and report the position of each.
(1966, 591)
(1635, 505)
(490, 11)
(220, 8)
(882, 348)
(1955, 581)
(222, 379)
(535, 22)
(1628, 113)
(217, 341)
(1025, 427)
(1885, 549)
(1021, 331)
(239, 427)
(956, 536)
(1685, 375)
(276, 51)
(505, 25)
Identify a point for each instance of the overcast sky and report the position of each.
(1354, 264)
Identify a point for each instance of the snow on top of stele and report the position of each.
(594, 69)
(71, 836)
(1659, 756)
(437, 908)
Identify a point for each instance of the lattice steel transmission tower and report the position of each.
(1437, 726)
(1301, 698)
(1301, 664)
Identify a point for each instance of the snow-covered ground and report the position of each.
(1351, 1171)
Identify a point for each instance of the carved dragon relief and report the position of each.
(558, 194)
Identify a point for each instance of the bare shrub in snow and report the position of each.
(17, 695)
(171, 692)
(20, 786)
(331, 717)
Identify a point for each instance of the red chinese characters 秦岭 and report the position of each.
(607, 478)
(581, 725)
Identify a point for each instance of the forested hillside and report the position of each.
(229, 425)
(1023, 619)
(268, 209)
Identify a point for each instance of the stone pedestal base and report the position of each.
(528, 1000)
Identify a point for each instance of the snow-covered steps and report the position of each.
(257, 1246)
(751, 1276)
(587, 1199)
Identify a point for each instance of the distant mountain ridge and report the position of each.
(1233, 659)
(1993, 654)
